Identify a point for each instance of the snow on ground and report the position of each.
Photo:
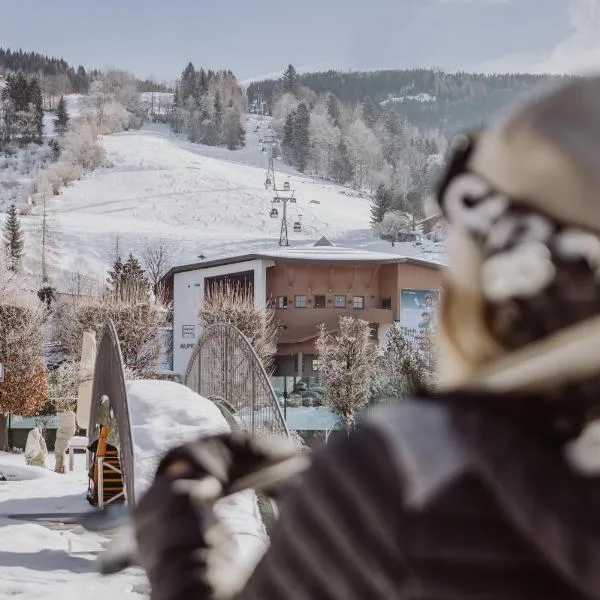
(39, 562)
(204, 200)
(166, 414)
(46, 562)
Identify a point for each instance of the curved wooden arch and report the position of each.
(109, 381)
(225, 367)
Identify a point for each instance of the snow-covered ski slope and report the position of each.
(161, 186)
(206, 201)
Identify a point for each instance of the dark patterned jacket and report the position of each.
(435, 502)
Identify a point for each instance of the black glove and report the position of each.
(181, 545)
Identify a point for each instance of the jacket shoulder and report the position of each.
(424, 446)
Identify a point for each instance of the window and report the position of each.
(300, 301)
(320, 301)
(386, 303)
(339, 301)
(315, 365)
(358, 303)
(281, 301)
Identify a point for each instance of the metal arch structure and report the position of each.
(109, 381)
(225, 368)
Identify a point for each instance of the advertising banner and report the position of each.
(418, 308)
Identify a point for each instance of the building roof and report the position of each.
(323, 242)
(326, 254)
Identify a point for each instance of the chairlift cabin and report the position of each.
(297, 227)
(276, 200)
(286, 186)
(293, 200)
(267, 182)
(274, 213)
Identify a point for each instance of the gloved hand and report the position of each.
(181, 544)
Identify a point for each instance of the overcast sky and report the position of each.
(260, 37)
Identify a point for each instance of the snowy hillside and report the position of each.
(206, 201)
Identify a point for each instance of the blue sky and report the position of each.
(258, 37)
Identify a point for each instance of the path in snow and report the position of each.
(38, 562)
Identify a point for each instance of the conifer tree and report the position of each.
(288, 137)
(81, 82)
(61, 122)
(115, 276)
(369, 114)
(37, 111)
(333, 110)
(342, 169)
(301, 142)
(13, 240)
(381, 204)
(218, 108)
(234, 133)
(134, 283)
(55, 147)
(289, 81)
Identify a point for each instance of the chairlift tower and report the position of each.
(271, 141)
(283, 232)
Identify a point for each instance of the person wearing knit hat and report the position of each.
(488, 485)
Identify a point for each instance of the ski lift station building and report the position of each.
(308, 286)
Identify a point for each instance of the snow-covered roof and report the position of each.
(332, 253)
(329, 254)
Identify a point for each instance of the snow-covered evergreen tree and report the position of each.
(289, 81)
(381, 204)
(234, 134)
(342, 169)
(301, 141)
(347, 361)
(13, 240)
(333, 110)
(393, 225)
(61, 121)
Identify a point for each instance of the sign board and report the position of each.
(188, 332)
(418, 308)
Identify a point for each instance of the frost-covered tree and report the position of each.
(38, 111)
(347, 362)
(342, 169)
(393, 225)
(13, 240)
(158, 259)
(234, 134)
(369, 112)
(137, 325)
(365, 153)
(333, 110)
(230, 303)
(63, 384)
(301, 141)
(61, 121)
(128, 281)
(401, 370)
(324, 139)
(203, 101)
